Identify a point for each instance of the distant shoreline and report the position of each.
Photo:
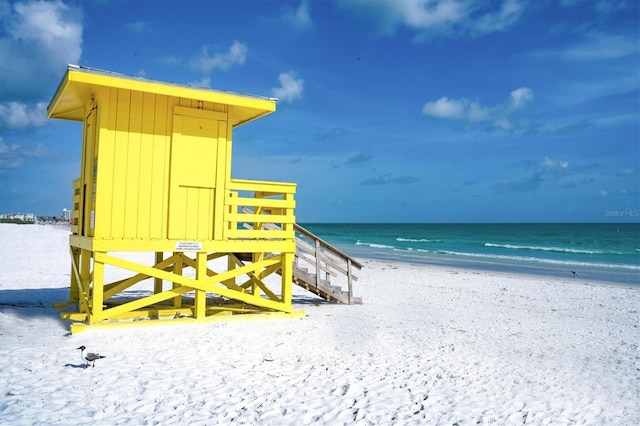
(505, 270)
(501, 273)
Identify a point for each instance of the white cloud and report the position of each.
(9, 158)
(389, 178)
(44, 23)
(629, 171)
(477, 113)
(474, 112)
(430, 18)
(521, 96)
(602, 46)
(41, 38)
(504, 18)
(205, 82)
(445, 108)
(15, 115)
(594, 47)
(418, 14)
(236, 55)
(13, 156)
(551, 164)
(300, 16)
(290, 87)
(171, 60)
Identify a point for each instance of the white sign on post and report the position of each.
(188, 246)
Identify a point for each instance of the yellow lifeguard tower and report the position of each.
(156, 178)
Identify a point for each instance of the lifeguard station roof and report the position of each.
(79, 83)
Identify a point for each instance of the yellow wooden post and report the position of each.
(287, 280)
(201, 276)
(231, 265)
(97, 292)
(75, 284)
(85, 274)
(177, 270)
(157, 282)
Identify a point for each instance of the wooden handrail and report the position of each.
(314, 237)
(322, 256)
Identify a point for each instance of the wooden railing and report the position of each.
(258, 203)
(75, 213)
(260, 210)
(323, 269)
(318, 266)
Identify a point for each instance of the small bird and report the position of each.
(90, 357)
(575, 274)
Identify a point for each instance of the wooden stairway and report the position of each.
(323, 269)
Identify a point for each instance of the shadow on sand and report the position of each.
(309, 300)
(38, 303)
(33, 303)
(83, 366)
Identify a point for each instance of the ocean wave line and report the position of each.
(421, 240)
(538, 260)
(502, 257)
(374, 245)
(554, 249)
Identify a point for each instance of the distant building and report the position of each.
(66, 214)
(25, 217)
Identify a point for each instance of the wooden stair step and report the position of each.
(326, 260)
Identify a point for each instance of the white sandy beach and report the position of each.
(428, 346)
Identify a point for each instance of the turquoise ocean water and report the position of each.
(605, 251)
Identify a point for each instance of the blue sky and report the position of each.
(388, 111)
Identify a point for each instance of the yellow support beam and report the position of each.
(144, 302)
(201, 283)
(81, 327)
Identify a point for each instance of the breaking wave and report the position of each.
(421, 240)
(551, 249)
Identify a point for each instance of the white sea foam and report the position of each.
(542, 260)
(421, 240)
(553, 249)
(374, 245)
(511, 259)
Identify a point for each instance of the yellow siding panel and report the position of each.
(107, 107)
(134, 163)
(177, 213)
(159, 157)
(222, 176)
(205, 213)
(194, 216)
(146, 165)
(89, 168)
(118, 210)
(103, 178)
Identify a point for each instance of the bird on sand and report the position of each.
(575, 274)
(89, 357)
